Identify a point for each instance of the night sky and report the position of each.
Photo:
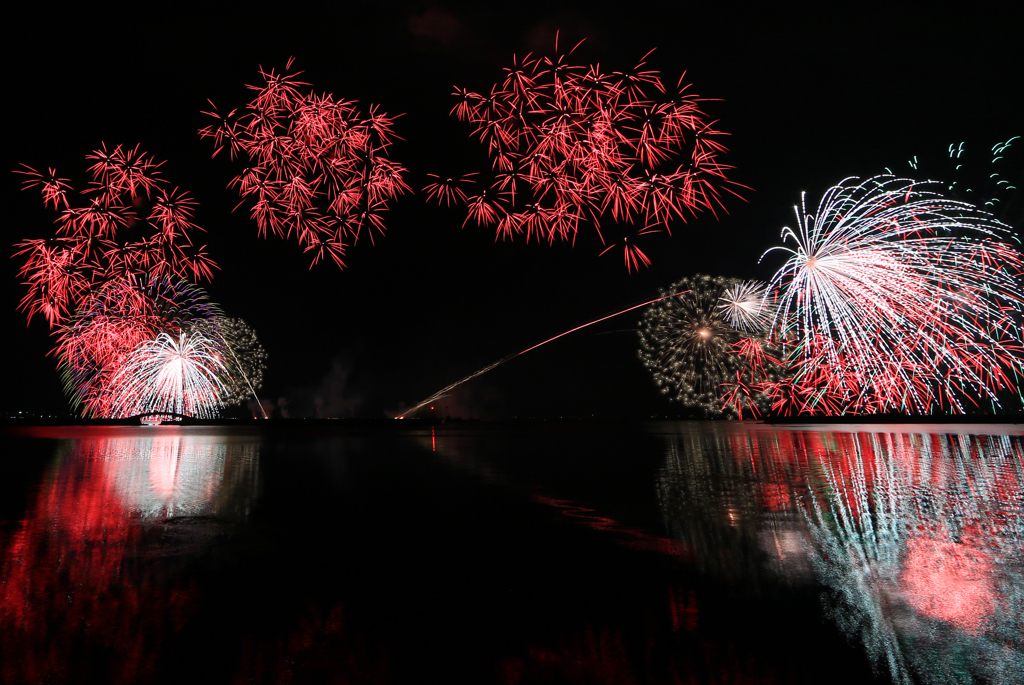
(809, 97)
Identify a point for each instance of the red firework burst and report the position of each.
(316, 166)
(128, 222)
(571, 144)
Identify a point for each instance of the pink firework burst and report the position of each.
(129, 221)
(572, 145)
(316, 166)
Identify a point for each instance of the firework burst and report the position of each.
(129, 221)
(127, 315)
(699, 358)
(180, 374)
(896, 298)
(316, 166)
(573, 145)
(243, 357)
(112, 322)
(746, 306)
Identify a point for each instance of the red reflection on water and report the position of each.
(630, 537)
(606, 655)
(916, 535)
(595, 656)
(77, 596)
(950, 581)
(74, 545)
(684, 609)
(944, 500)
(317, 647)
(775, 497)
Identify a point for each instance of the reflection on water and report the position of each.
(470, 455)
(316, 646)
(676, 553)
(657, 624)
(917, 538)
(174, 476)
(77, 577)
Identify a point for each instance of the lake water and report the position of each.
(538, 553)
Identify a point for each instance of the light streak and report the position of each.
(443, 392)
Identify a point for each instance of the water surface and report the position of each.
(536, 553)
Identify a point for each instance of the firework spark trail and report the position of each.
(989, 185)
(248, 383)
(444, 391)
(247, 359)
(896, 298)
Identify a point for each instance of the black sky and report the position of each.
(809, 97)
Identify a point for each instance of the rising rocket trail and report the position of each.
(448, 388)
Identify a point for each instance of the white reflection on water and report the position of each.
(175, 475)
(917, 538)
(155, 473)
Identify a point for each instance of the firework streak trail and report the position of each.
(247, 382)
(443, 392)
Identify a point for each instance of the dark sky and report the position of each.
(809, 97)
